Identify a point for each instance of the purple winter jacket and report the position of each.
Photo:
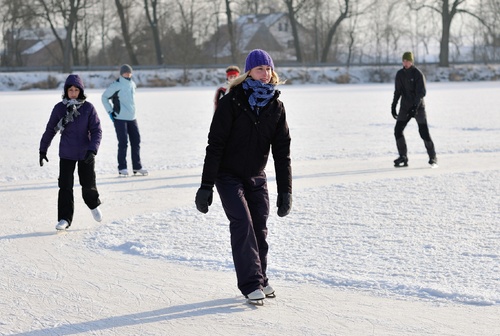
(79, 136)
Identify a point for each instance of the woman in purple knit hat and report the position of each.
(248, 122)
(77, 121)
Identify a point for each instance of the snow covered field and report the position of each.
(367, 249)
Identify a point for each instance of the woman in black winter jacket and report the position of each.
(248, 123)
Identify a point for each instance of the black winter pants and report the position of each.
(423, 130)
(246, 204)
(86, 174)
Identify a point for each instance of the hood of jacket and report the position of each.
(74, 80)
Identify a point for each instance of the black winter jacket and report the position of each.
(239, 141)
(410, 85)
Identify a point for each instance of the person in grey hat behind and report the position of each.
(249, 121)
(410, 87)
(122, 111)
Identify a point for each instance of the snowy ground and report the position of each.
(367, 250)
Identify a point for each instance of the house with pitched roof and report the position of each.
(33, 47)
(271, 32)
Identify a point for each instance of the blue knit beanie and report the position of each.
(256, 58)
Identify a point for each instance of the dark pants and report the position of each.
(423, 130)
(246, 204)
(86, 174)
(125, 130)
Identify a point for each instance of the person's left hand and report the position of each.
(89, 157)
(284, 204)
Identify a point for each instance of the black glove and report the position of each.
(413, 111)
(204, 197)
(284, 204)
(43, 156)
(393, 112)
(89, 157)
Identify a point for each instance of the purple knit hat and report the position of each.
(256, 58)
(74, 80)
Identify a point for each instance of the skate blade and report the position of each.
(434, 166)
(270, 296)
(259, 302)
(404, 166)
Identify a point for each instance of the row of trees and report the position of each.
(160, 32)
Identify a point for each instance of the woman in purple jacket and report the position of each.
(81, 134)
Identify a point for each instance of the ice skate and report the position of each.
(123, 173)
(269, 292)
(256, 297)
(97, 214)
(62, 225)
(401, 161)
(141, 171)
(433, 162)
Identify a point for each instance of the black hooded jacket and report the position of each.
(239, 141)
(410, 86)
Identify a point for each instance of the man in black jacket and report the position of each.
(410, 86)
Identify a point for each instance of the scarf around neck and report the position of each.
(72, 106)
(259, 94)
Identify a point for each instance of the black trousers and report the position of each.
(423, 130)
(86, 174)
(246, 204)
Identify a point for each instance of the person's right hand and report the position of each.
(43, 156)
(393, 112)
(112, 115)
(413, 111)
(204, 197)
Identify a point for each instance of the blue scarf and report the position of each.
(259, 94)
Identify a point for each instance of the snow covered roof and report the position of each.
(42, 37)
(253, 31)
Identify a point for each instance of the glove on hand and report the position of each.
(284, 204)
(112, 115)
(413, 111)
(89, 157)
(204, 197)
(393, 112)
(43, 156)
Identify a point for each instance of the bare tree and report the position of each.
(447, 10)
(125, 32)
(293, 8)
(17, 16)
(342, 15)
(57, 12)
(104, 22)
(230, 28)
(151, 7)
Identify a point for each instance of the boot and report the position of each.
(401, 161)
